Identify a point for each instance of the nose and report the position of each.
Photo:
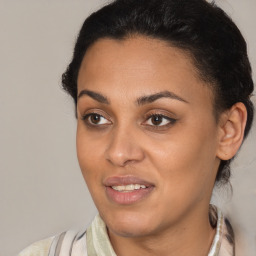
(124, 148)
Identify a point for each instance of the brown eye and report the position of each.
(156, 120)
(159, 120)
(95, 118)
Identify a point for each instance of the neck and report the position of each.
(191, 236)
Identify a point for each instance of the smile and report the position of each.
(128, 188)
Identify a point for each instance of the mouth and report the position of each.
(127, 190)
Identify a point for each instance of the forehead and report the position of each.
(135, 53)
(139, 65)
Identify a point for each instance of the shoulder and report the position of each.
(40, 248)
(63, 244)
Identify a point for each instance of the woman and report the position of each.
(162, 93)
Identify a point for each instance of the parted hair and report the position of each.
(201, 29)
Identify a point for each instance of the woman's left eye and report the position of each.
(159, 120)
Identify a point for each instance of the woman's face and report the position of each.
(147, 138)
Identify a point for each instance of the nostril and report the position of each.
(124, 156)
(119, 159)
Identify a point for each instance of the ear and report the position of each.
(231, 131)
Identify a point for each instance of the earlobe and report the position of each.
(232, 124)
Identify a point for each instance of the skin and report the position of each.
(179, 155)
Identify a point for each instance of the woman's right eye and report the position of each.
(95, 119)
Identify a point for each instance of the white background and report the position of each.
(41, 189)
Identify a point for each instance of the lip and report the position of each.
(126, 180)
(129, 197)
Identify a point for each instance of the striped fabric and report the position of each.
(94, 241)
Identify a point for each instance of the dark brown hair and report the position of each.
(200, 28)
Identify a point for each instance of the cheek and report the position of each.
(186, 160)
(88, 153)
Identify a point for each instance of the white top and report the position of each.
(94, 241)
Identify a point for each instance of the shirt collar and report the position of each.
(98, 242)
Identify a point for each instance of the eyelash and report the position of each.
(86, 118)
(171, 121)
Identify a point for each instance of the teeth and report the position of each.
(129, 187)
(137, 186)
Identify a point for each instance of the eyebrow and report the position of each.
(96, 96)
(153, 97)
(140, 101)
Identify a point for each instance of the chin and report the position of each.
(129, 224)
(129, 230)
